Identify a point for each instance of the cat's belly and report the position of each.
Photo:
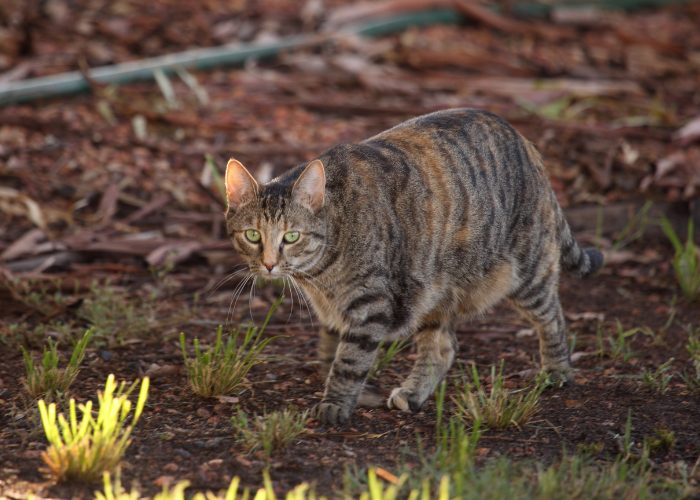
(478, 297)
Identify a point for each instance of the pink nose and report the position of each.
(268, 266)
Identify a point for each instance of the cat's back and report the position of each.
(450, 154)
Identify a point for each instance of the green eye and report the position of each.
(291, 236)
(252, 235)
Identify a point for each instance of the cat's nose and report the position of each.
(268, 266)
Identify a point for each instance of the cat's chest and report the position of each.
(324, 306)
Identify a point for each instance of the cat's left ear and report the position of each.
(310, 188)
(240, 185)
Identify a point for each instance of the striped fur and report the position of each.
(438, 218)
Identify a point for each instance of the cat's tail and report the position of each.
(582, 261)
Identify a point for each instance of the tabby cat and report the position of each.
(403, 234)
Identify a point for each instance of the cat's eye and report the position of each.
(291, 236)
(252, 235)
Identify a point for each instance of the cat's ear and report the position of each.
(240, 185)
(310, 188)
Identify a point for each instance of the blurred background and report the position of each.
(607, 90)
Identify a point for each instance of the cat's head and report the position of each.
(277, 228)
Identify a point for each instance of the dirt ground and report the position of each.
(185, 437)
(110, 193)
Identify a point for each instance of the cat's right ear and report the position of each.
(241, 187)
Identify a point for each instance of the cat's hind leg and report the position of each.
(436, 345)
(538, 300)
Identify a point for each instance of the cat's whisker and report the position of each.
(237, 295)
(295, 291)
(306, 302)
(233, 296)
(291, 296)
(225, 280)
(251, 295)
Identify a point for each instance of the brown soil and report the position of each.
(186, 437)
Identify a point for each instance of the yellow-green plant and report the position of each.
(222, 368)
(500, 407)
(84, 449)
(271, 431)
(685, 260)
(47, 379)
(377, 491)
(113, 490)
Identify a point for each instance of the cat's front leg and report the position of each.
(328, 340)
(354, 358)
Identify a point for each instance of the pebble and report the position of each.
(182, 453)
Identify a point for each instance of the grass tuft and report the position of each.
(270, 432)
(47, 380)
(685, 260)
(500, 407)
(618, 344)
(114, 317)
(222, 368)
(82, 450)
(659, 379)
(387, 355)
(691, 378)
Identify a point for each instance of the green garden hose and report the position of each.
(236, 55)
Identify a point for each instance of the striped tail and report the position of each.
(581, 261)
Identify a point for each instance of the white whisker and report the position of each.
(237, 294)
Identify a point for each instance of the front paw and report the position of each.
(558, 373)
(404, 400)
(331, 413)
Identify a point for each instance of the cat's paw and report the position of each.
(331, 413)
(558, 373)
(556, 376)
(404, 400)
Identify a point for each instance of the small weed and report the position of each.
(223, 367)
(692, 378)
(634, 229)
(579, 477)
(659, 379)
(387, 355)
(376, 491)
(113, 490)
(663, 440)
(113, 317)
(693, 347)
(176, 492)
(590, 449)
(47, 380)
(83, 450)
(41, 296)
(269, 432)
(500, 407)
(685, 260)
(618, 345)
